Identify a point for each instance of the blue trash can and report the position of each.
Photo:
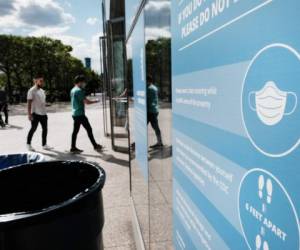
(10, 160)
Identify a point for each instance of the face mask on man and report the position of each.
(270, 103)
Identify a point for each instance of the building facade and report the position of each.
(215, 84)
(131, 54)
(148, 49)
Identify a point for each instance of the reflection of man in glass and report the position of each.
(153, 110)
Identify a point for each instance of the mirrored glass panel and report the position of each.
(131, 9)
(158, 72)
(138, 127)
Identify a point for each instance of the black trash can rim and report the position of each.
(16, 159)
(17, 217)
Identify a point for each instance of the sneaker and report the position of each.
(157, 145)
(98, 147)
(76, 150)
(30, 148)
(47, 147)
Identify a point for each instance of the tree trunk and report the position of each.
(9, 87)
(20, 86)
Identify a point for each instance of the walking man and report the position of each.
(36, 100)
(78, 101)
(153, 110)
(3, 108)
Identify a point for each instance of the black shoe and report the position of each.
(98, 147)
(157, 145)
(76, 150)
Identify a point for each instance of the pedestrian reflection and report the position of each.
(153, 111)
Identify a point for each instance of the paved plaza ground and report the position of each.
(117, 231)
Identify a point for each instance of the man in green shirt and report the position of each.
(153, 110)
(78, 100)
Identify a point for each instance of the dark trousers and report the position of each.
(153, 119)
(82, 120)
(36, 119)
(4, 109)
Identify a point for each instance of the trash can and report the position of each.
(17, 159)
(52, 206)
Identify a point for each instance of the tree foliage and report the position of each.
(158, 64)
(22, 57)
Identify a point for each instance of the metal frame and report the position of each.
(104, 69)
(107, 52)
(109, 80)
(110, 39)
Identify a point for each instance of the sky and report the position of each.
(75, 22)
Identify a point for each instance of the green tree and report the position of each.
(22, 57)
(7, 60)
(158, 64)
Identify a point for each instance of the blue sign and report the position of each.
(236, 133)
(88, 62)
(270, 99)
(140, 101)
(263, 228)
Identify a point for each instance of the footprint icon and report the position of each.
(261, 184)
(258, 242)
(269, 191)
(265, 246)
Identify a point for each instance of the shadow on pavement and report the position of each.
(160, 153)
(62, 156)
(120, 136)
(109, 158)
(11, 127)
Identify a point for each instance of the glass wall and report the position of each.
(131, 9)
(234, 186)
(118, 100)
(138, 128)
(158, 70)
(150, 123)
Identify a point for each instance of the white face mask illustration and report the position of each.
(270, 103)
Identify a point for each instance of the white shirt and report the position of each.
(38, 97)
